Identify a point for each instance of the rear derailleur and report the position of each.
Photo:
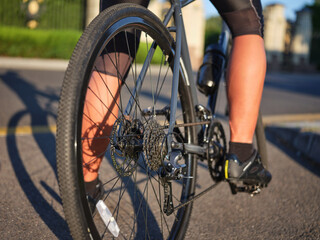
(171, 170)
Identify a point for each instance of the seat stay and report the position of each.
(140, 80)
(176, 69)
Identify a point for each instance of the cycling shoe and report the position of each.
(250, 172)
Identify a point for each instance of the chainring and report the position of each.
(217, 143)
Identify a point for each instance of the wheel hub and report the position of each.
(126, 145)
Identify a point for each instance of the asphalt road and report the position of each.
(30, 206)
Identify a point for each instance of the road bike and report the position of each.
(158, 136)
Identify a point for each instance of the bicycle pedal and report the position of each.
(255, 192)
(251, 189)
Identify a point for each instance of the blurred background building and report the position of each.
(275, 33)
(288, 44)
(301, 39)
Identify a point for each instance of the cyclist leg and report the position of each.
(245, 78)
(100, 106)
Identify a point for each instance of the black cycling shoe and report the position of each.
(251, 172)
(94, 193)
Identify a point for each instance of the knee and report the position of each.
(242, 16)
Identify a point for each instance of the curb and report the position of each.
(304, 143)
(33, 64)
(12, 63)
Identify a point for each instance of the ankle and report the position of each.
(243, 151)
(91, 187)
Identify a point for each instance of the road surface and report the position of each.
(30, 205)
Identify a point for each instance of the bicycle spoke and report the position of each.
(164, 79)
(140, 204)
(159, 203)
(146, 216)
(159, 74)
(117, 64)
(125, 84)
(151, 82)
(111, 94)
(102, 102)
(132, 70)
(94, 159)
(120, 77)
(121, 189)
(135, 66)
(161, 216)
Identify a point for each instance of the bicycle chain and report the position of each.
(201, 194)
(154, 144)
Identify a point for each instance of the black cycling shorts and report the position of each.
(242, 16)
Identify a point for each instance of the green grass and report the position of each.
(143, 51)
(22, 42)
(212, 30)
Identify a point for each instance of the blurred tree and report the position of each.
(11, 13)
(52, 14)
(212, 30)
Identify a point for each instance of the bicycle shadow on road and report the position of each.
(28, 94)
(294, 143)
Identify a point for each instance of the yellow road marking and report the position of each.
(290, 118)
(27, 130)
(267, 120)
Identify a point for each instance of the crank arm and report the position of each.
(190, 148)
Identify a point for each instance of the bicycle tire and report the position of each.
(81, 221)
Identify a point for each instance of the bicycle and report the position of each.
(149, 168)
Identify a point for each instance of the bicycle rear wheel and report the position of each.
(127, 132)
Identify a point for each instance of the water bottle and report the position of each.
(107, 218)
(211, 69)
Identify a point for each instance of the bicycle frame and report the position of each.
(182, 66)
(182, 51)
